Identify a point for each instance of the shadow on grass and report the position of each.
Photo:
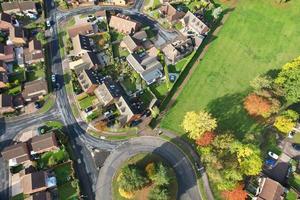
(231, 115)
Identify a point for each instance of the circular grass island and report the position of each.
(145, 176)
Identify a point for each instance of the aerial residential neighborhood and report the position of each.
(149, 99)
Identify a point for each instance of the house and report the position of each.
(34, 53)
(171, 13)
(83, 29)
(178, 49)
(7, 53)
(194, 27)
(16, 36)
(3, 79)
(89, 80)
(16, 154)
(81, 44)
(37, 182)
(270, 190)
(129, 44)
(140, 36)
(124, 24)
(43, 143)
(128, 112)
(5, 22)
(108, 91)
(78, 66)
(92, 59)
(19, 7)
(6, 104)
(35, 90)
(148, 67)
(100, 14)
(40, 196)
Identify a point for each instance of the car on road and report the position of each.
(53, 78)
(48, 23)
(198, 167)
(296, 147)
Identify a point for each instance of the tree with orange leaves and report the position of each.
(257, 105)
(206, 139)
(236, 194)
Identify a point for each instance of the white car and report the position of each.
(273, 155)
(53, 78)
(48, 23)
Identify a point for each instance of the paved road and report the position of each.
(187, 182)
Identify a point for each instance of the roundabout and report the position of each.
(185, 174)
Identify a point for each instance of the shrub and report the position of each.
(159, 193)
(125, 194)
(150, 170)
(206, 139)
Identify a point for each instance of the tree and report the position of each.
(131, 179)
(159, 193)
(223, 142)
(206, 139)
(289, 81)
(161, 176)
(261, 82)
(151, 171)
(257, 105)
(217, 12)
(286, 121)
(236, 194)
(195, 124)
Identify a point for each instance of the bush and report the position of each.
(150, 170)
(125, 194)
(159, 193)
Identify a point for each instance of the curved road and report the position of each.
(186, 177)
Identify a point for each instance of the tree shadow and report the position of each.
(231, 115)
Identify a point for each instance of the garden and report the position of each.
(145, 176)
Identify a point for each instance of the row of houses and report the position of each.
(33, 183)
(19, 7)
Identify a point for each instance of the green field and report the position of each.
(257, 37)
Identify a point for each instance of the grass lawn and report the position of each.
(54, 124)
(67, 192)
(294, 181)
(141, 160)
(59, 156)
(291, 195)
(258, 36)
(48, 103)
(35, 74)
(159, 90)
(64, 173)
(86, 102)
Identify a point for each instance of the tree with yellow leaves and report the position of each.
(197, 123)
(286, 121)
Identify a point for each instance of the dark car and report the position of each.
(88, 109)
(296, 147)
(37, 105)
(198, 167)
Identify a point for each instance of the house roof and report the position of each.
(34, 44)
(171, 12)
(89, 77)
(27, 5)
(35, 88)
(43, 142)
(272, 190)
(5, 100)
(177, 48)
(17, 151)
(123, 23)
(33, 181)
(92, 58)
(129, 42)
(195, 23)
(5, 17)
(82, 29)
(81, 42)
(141, 35)
(22, 5)
(6, 49)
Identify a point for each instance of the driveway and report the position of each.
(186, 177)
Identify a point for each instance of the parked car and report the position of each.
(296, 147)
(48, 23)
(198, 167)
(88, 109)
(37, 105)
(273, 155)
(291, 134)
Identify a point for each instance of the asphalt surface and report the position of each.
(186, 177)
